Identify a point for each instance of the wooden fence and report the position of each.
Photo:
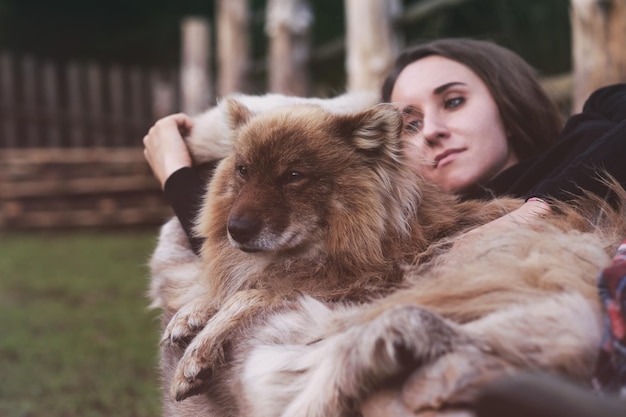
(71, 143)
(78, 187)
(61, 105)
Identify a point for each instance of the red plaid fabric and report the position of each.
(610, 374)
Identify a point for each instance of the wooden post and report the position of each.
(136, 114)
(195, 86)
(233, 46)
(372, 44)
(288, 25)
(8, 134)
(118, 110)
(51, 105)
(75, 104)
(598, 51)
(30, 100)
(96, 110)
(163, 95)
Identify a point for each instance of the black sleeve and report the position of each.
(595, 141)
(592, 143)
(184, 190)
(608, 102)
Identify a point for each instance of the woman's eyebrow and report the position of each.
(410, 111)
(445, 86)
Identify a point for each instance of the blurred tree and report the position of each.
(130, 31)
(538, 30)
(147, 32)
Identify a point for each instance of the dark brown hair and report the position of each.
(530, 118)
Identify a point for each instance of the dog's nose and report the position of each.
(243, 229)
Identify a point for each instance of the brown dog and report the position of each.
(315, 210)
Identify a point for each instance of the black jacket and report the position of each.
(591, 141)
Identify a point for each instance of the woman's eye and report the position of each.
(242, 170)
(454, 102)
(413, 126)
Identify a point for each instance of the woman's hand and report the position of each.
(165, 150)
(532, 209)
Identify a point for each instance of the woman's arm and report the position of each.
(170, 161)
(165, 149)
(596, 142)
(592, 142)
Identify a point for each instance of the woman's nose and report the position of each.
(434, 129)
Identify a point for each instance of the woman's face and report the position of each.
(452, 123)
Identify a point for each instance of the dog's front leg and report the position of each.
(188, 320)
(559, 333)
(362, 358)
(207, 350)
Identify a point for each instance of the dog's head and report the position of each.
(305, 180)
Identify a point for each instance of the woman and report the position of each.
(487, 129)
(517, 148)
(471, 93)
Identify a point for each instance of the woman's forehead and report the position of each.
(431, 76)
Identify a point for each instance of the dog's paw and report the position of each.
(186, 323)
(452, 381)
(192, 375)
(197, 365)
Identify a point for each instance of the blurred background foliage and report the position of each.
(146, 32)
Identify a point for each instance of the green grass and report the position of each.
(76, 337)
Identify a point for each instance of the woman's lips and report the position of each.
(447, 156)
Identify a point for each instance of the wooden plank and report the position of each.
(116, 98)
(18, 165)
(135, 79)
(75, 105)
(137, 114)
(8, 137)
(88, 218)
(71, 155)
(30, 100)
(51, 104)
(53, 187)
(95, 103)
(163, 95)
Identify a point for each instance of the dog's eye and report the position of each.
(294, 176)
(242, 170)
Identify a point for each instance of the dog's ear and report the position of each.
(237, 114)
(375, 129)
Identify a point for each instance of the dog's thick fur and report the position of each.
(211, 140)
(310, 222)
